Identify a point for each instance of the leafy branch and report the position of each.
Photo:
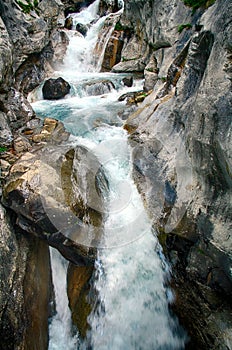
(30, 6)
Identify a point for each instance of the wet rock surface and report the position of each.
(108, 6)
(112, 54)
(78, 286)
(25, 288)
(55, 89)
(81, 28)
(98, 87)
(56, 193)
(72, 6)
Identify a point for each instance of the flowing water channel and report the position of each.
(130, 273)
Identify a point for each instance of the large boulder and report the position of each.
(128, 81)
(96, 88)
(54, 89)
(57, 194)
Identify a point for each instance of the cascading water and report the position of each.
(131, 310)
(60, 334)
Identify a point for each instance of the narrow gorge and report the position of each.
(116, 134)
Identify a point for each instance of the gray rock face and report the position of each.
(23, 259)
(72, 6)
(6, 57)
(19, 110)
(29, 46)
(109, 6)
(6, 136)
(28, 50)
(29, 33)
(56, 193)
(181, 136)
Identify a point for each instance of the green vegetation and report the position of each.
(124, 59)
(118, 26)
(3, 149)
(200, 251)
(181, 27)
(30, 6)
(195, 4)
(150, 70)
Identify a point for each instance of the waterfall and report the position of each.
(132, 306)
(85, 54)
(60, 327)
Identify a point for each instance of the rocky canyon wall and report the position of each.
(32, 44)
(28, 44)
(181, 135)
(181, 138)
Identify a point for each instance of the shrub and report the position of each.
(118, 26)
(3, 149)
(181, 27)
(27, 8)
(195, 4)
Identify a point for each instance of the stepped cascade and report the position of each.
(115, 174)
(131, 302)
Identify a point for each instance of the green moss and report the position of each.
(181, 27)
(195, 4)
(150, 70)
(3, 149)
(118, 26)
(124, 59)
(200, 251)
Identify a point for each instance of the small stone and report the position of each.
(21, 144)
(128, 81)
(28, 132)
(49, 125)
(39, 138)
(81, 28)
(5, 167)
(68, 23)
